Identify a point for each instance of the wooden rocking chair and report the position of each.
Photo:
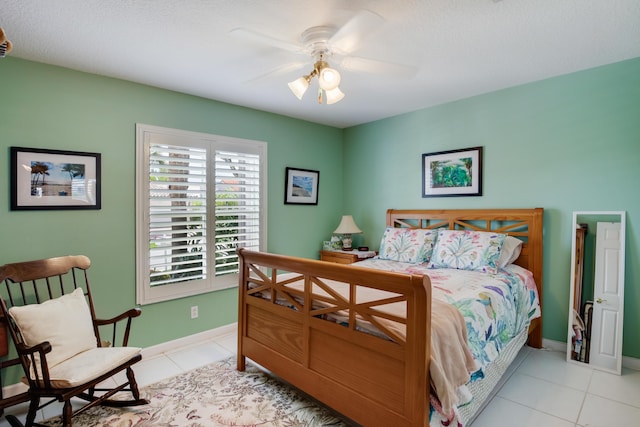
(49, 311)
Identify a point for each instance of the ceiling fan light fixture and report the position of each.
(299, 86)
(334, 95)
(328, 81)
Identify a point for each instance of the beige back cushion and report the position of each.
(65, 322)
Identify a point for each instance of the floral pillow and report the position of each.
(412, 245)
(467, 250)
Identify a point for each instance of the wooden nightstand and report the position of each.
(344, 257)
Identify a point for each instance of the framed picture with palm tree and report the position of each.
(43, 179)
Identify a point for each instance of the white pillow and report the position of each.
(510, 251)
(65, 322)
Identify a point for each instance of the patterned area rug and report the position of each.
(214, 395)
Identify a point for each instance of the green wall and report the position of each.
(567, 143)
(44, 106)
(564, 144)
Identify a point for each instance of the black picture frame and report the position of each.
(43, 179)
(452, 173)
(301, 186)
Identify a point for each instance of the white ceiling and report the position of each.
(460, 48)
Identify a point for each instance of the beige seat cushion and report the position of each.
(65, 322)
(89, 364)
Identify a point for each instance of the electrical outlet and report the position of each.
(194, 312)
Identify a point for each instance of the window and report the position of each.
(199, 197)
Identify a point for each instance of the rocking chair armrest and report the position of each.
(35, 363)
(112, 324)
(129, 314)
(42, 348)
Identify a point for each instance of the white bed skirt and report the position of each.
(481, 390)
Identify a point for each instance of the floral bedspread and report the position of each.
(496, 307)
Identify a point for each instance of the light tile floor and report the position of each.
(540, 389)
(545, 390)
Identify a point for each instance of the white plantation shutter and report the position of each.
(177, 214)
(237, 209)
(199, 198)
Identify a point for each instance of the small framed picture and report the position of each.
(54, 179)
(301, 186)
(452, 173)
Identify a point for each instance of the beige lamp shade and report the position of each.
(347, 226)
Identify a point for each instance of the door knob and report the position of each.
(600, 300)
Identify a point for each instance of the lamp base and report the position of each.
(346, 243)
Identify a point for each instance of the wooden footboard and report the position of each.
(372, 379)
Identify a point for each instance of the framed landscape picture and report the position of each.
(452, 173)
(301, 186)
(54, 179)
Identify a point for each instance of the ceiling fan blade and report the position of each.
(278, 71)
(349, 36)
(265, 39)
(354, 63)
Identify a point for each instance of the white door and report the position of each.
(608, 299)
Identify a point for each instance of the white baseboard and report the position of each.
(14, 389)
(631, 363)
(154, 350)
(627, 362)
(164, 347)
(554, 345)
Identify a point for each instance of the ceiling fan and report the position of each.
(326, 42)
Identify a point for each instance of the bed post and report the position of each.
(536, 245)
(242, 360)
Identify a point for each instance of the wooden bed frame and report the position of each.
(370, 379)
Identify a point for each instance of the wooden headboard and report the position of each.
(525, 224)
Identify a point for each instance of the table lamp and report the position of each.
(346, 228)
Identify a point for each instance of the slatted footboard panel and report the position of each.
(288, 312)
